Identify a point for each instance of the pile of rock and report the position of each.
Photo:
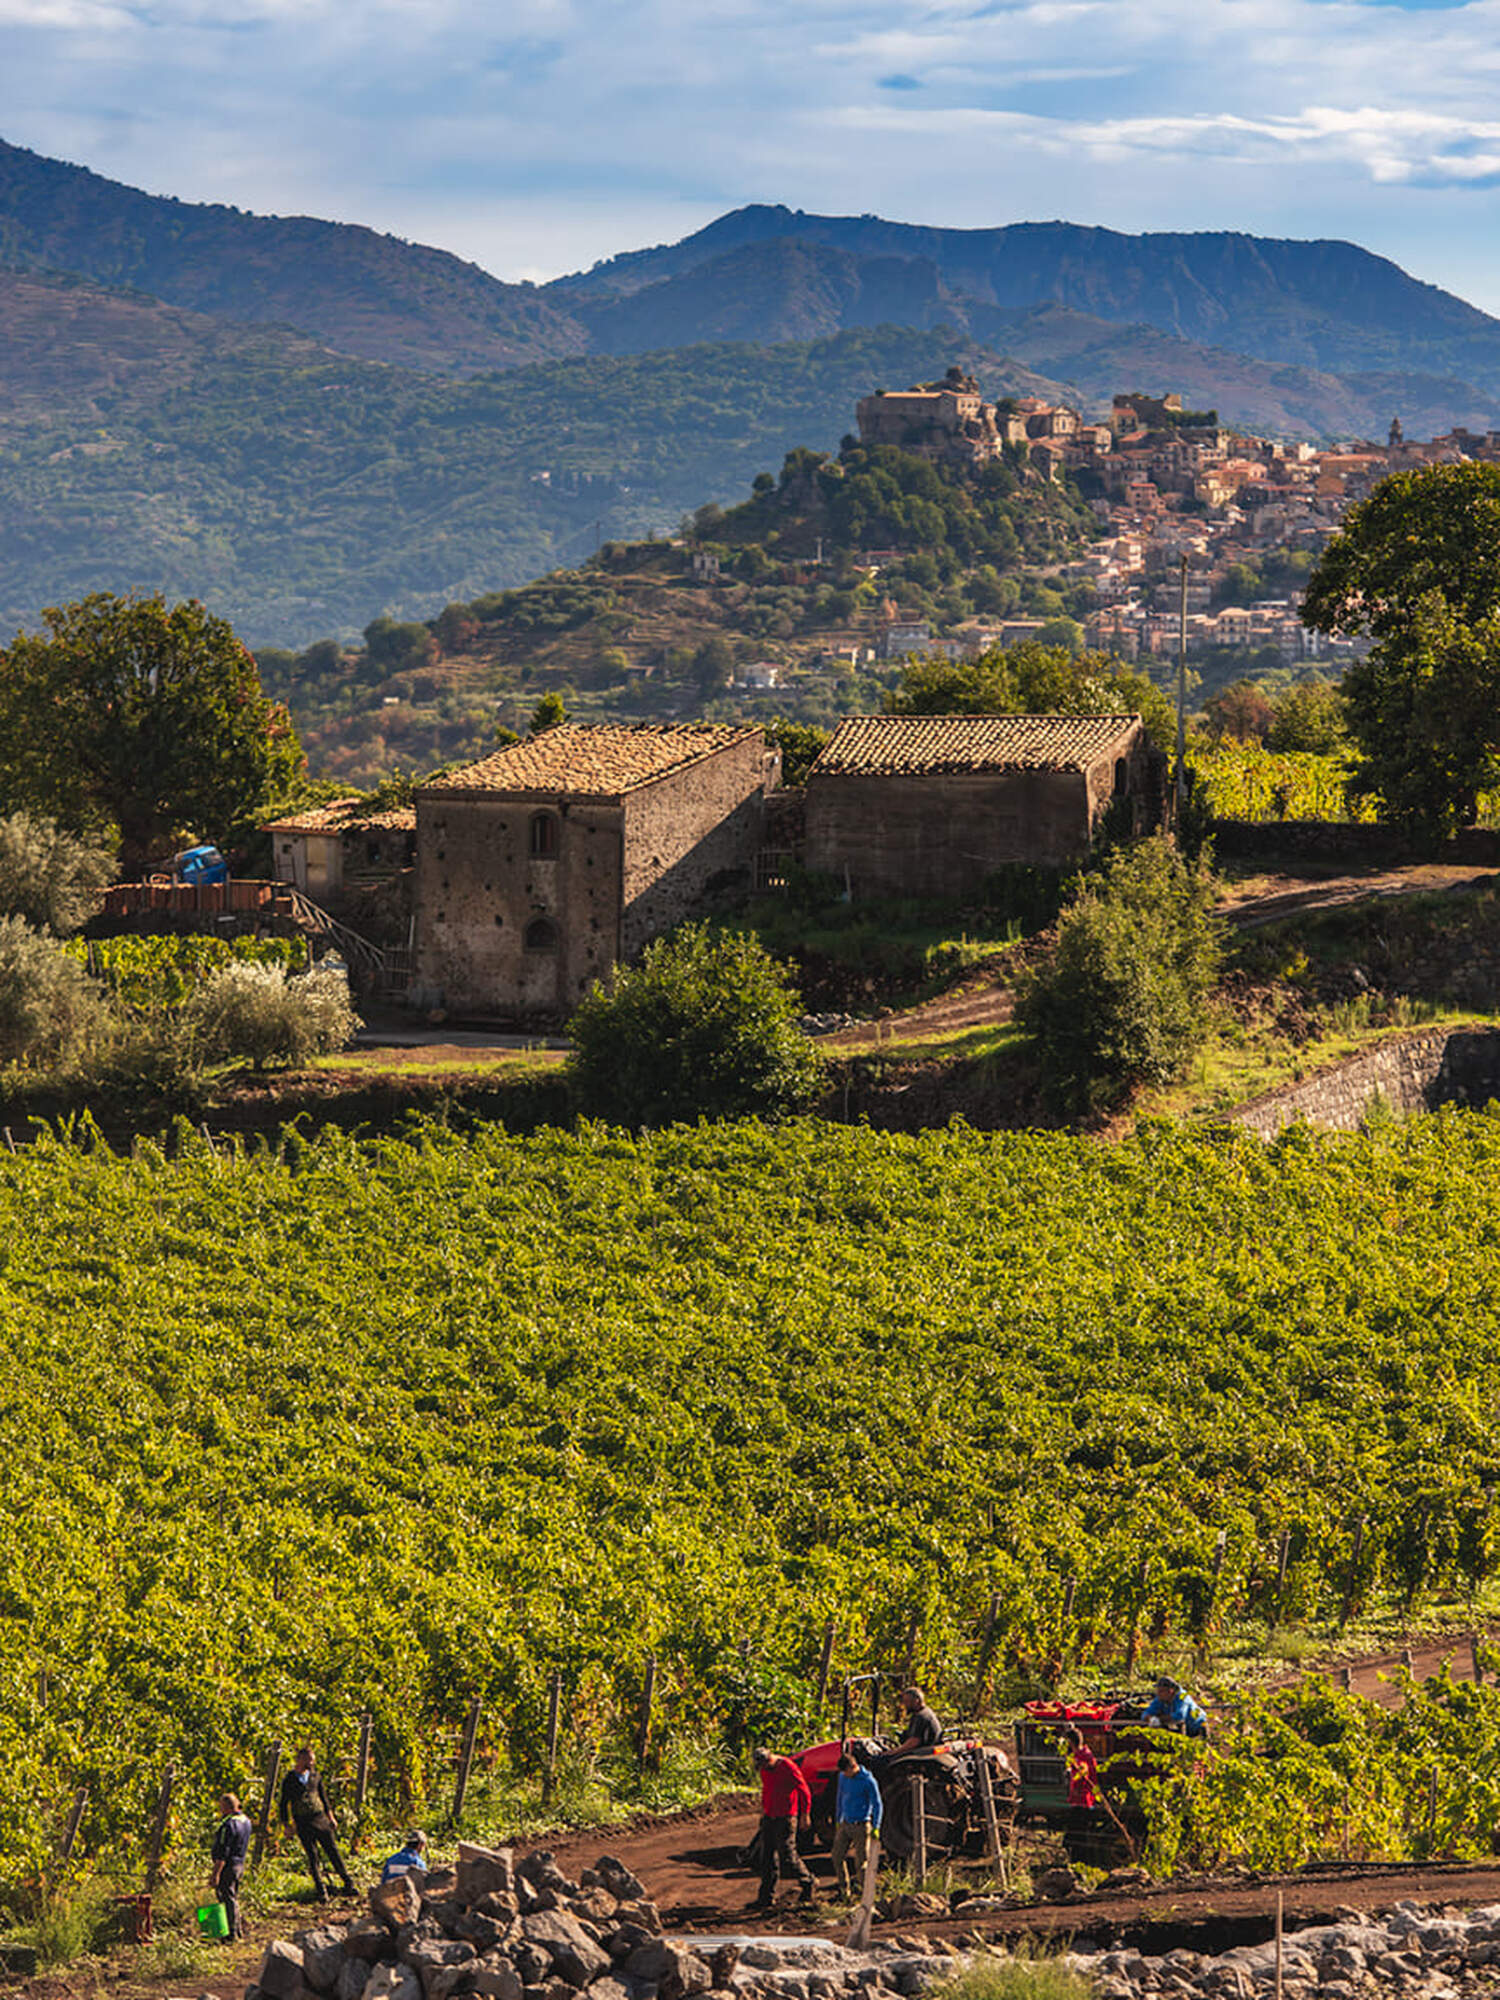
(1422, 1954)
(493, 1927)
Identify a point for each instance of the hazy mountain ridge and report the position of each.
(1326, 305)
(370, 295)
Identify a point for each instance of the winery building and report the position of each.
(929, 805)
(542, 866)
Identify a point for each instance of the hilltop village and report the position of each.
(1163, 483)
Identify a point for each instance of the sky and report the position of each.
(536, 136)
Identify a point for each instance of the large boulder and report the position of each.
(322, 1955)
(483, 1871)
(673, 1969)
(368, 1941)
(393, 1982)
(575, 1955)
(609, 1872)
(495, 1978)
(429, 1956)
(541, 1871)
(281, 1975)
(397, 1904)
(353, 1975)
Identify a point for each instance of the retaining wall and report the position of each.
(1417, 1072)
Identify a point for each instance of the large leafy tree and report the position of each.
(1417, 567)
(1033, 679)
(130, 713)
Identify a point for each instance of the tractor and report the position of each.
(950, 1789)
(1106, 1834)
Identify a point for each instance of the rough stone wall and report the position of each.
(689, 838)
(479, 888)
(1417, 1072)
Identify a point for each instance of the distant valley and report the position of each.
(308, 424)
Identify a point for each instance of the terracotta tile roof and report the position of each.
(343, 816)
(592, 761)
(932, 744)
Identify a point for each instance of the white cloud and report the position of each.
(564, 129)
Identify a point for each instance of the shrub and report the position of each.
(49, 1009)
(1124, 1000)
(49, 877)
(254, 1013)
(704, 1027)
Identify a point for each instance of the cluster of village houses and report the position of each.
(1245, 496)
(526, 876)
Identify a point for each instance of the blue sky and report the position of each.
(537, 135)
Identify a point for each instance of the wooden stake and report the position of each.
(844, 1714)
(362, 1768)
(466, 1760)
(875, 1685)
(643, 1727)
(1354, 1555)
(263, 1824)
(909, 1668)
(1346, 1678)
(1280, 1917)
(1432, 1809)
(1283, 1557)
(554, 1717)
(1070, 1592)
(919, 1827)
(986, 1647)
(825, 1661)
(991, 1819)
(1478, 1670)
(75, 1820)
(159, 1828)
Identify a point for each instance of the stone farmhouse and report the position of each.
(542, 866)
(929, 805)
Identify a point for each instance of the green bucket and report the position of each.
(213, 1920)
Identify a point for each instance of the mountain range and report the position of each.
(308, 423)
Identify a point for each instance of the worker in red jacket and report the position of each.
(783, 1794)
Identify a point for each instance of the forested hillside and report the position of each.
(299, 493)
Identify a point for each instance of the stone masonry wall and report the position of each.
(479, 888)
(690, 837)
(940, 836)
(1417, 1072)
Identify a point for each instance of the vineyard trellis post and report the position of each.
(466, 1759)
(1283, 1556)
(991, 1820)
(919, 1827)
(825, 1661)
(1355, 1552)
(159, 1827)
(1070, 1594)
(1138, 1603)
(643, 1726)
(362, 1771)
(986, 1647)
(909, 1659)
(1474, 1659)
(263, 1824)
(554, 1718)
(75, 1820)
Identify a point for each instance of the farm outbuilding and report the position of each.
(930, 805)
(541, 867)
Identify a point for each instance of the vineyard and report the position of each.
(1246, 781)
(388, 1424)
(149, 972)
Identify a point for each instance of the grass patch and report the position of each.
(1025, 1974)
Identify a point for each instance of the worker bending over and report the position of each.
(1170, 1708)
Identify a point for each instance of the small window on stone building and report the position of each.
(543, 836)
(1122, 777)
(541, 935)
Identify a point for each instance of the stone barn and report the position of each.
(541, 867)
(929, 805)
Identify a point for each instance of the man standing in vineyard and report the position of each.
(304, 1805)
(783, 1794)
(231, 1846)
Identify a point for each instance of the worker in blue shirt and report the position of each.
(410, 1857)
(857, 1810)
(1170, 1708)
